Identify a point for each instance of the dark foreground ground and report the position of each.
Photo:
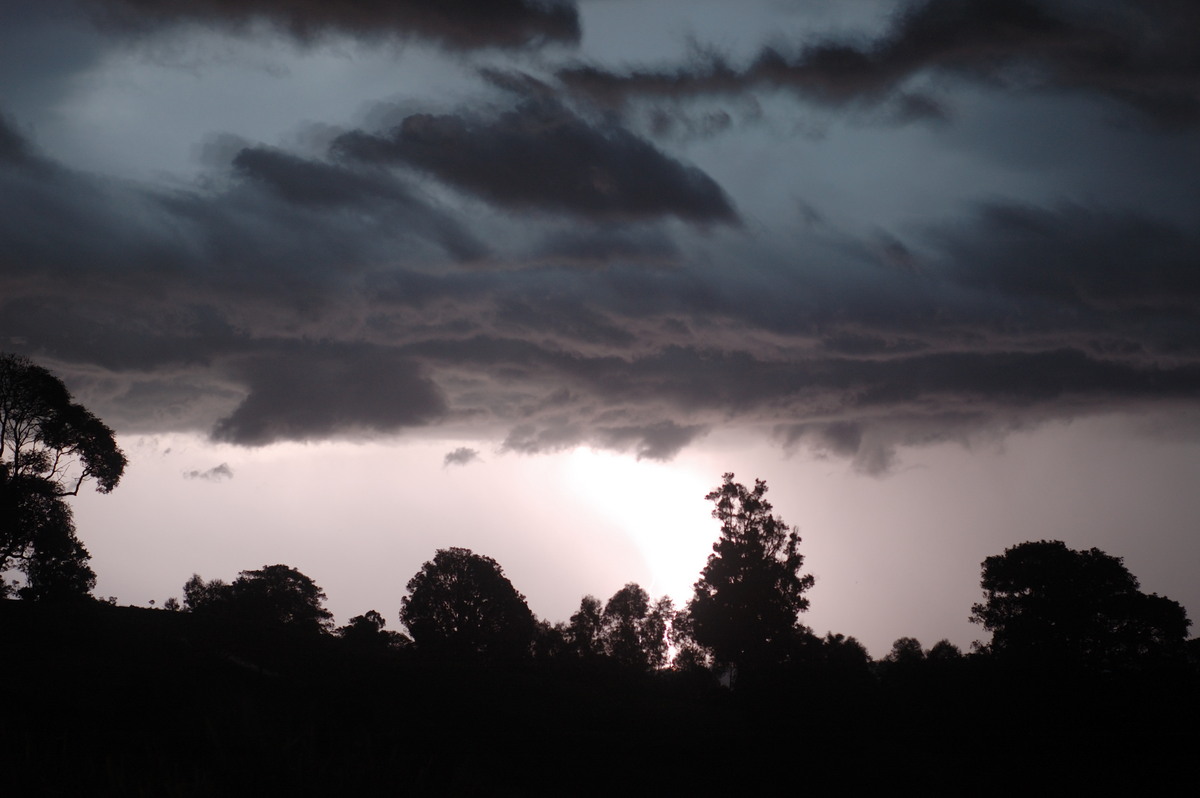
(101, 700)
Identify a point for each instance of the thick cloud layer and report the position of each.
(458, 24)
(541, 156)
(509, 265)
(1140, 53)
(328, 391)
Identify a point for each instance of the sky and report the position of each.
(353, 282)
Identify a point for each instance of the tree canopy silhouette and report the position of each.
(366, 633)
(1046, 603)
(462, 606)
(49, 448)
(633, 630)
(583, 631)
(748, 599)
(276, 595)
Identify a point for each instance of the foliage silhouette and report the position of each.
(1045, 603)
(365, 632)
(943, 651)
(275, 595)
(906, 652)
(748, 599)
(49, 447)
(585, 628)
(634, 631)
(462, 606)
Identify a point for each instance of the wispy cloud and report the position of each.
(463, 455)
(214, 474)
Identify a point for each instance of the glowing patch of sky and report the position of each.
(362, 518)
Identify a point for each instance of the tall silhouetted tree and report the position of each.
(461, 605)
(1046, 603)
(275, 595)
(49, 448)
(748, 600)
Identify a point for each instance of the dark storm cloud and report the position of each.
(1079, 256)
(455, 24)
(306, 183)
(13, 146)
(323, 391)
(609, 244)
(1141, 53)
(463, 455)
(543, 156)
(43, 48)
(661, 441)
(293, 298)
(270, 230)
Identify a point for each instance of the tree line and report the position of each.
(1043, 602)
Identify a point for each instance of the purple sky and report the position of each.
(357, 281)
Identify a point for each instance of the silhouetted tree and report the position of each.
(1044, 602)
(906, 652)
(49, 447)
(275, 594)
(845, 655)
(199, 595)
(54, 561)
(550, 640)
(634, 631)
(461, 605)
(750, 594)
(366, 633)
(689, 655)
(583, 632)
(57, 568)
(943, 651)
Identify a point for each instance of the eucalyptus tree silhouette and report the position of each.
(1046, 603)
(462, 606)
(49, 448)
(748, 599)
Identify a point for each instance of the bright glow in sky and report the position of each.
(360, 519)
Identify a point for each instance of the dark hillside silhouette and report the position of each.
(1086, 686)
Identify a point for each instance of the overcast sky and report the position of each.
(357, 281)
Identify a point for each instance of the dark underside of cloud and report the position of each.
(328, 391)
(456, 24)
(302, 321)
(1140, 53)
(520, 269)
(542, 156)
